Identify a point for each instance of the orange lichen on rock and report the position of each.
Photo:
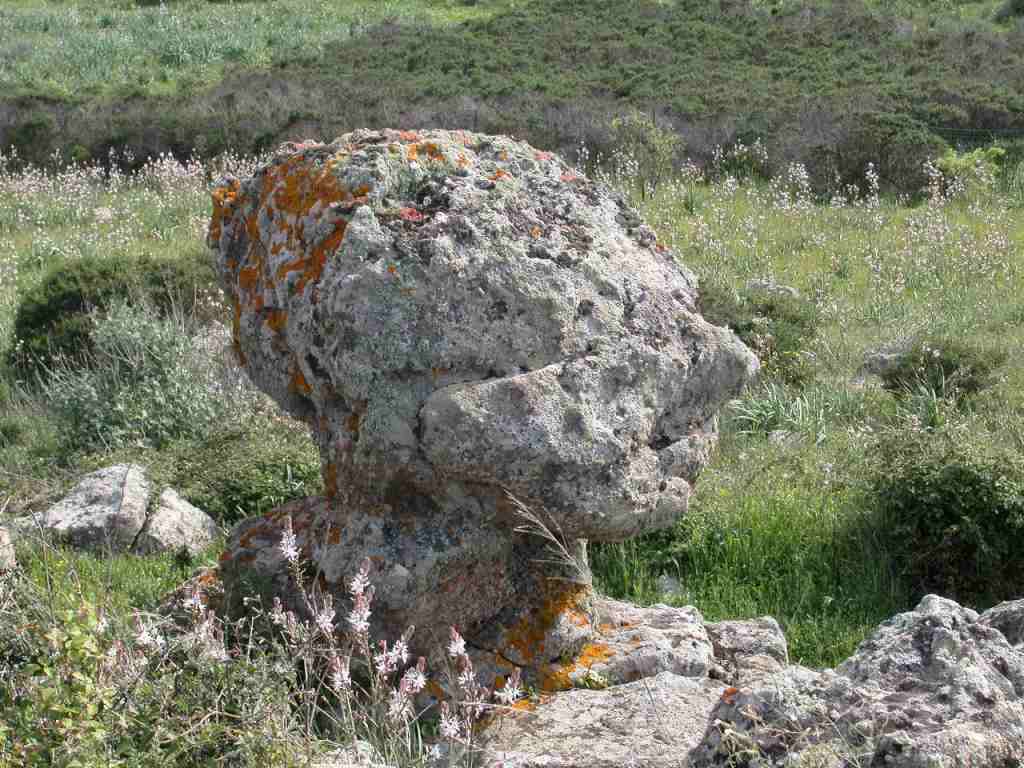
(277, 320)
(331, 480)
(558, 676)
(224, 199)
(298, 383)
(527, 636)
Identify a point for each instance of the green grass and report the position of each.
(834, 84)
(779, 525)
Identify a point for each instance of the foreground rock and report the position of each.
(113, 510)
(935, 686)
(461, 317)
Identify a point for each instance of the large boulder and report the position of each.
(462, 319)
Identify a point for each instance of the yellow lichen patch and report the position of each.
(224, 199)
(334, 537)
(277, 320)
(432, 151)
(236, 333)
(499, 174)
(412, 153)
(527, 635)
(352, 424)
(558, 677)
(331, 480)
(298, 383)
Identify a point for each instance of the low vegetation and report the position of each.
(831, 84)
(843, 487)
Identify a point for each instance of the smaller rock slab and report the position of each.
(106, 510)
(653, 723)
(177, 526)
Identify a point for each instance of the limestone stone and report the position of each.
(934, 686)
(653, 723)
(749, 649)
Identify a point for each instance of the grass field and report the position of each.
(825, 489)
(831, 83)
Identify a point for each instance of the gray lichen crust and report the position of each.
(447, 307)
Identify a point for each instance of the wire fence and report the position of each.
(976, 137)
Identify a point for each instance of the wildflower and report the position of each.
(361, 581)
(147, 637)
(325, 617)
(340, 674)
(277, 615)
(289, 548)
(359, 616)
(511, 691)
(414, 679)
(451, 728)
(457, 647)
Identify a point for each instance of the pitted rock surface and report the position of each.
(461, 318)
(934, 686)
(452, 307)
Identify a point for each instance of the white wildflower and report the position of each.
(288, 546)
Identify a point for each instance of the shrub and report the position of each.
(144, 384)
(651, 148)
(1009, 9)
(970, 173)
(52, 318)
(243, 471)
(947, 367)
(776, 326)
(952, 509)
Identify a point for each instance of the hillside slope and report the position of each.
(834, 83)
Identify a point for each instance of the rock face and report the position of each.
(110, 510)
(459, 317)
(935, 686)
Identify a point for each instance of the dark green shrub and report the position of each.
(947, 367)
(952, 510)
(1009, 9)
(243, 471)
(52, 318)
(775, 326)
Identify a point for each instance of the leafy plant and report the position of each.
(951, 368)
(142, 385)
(53, 317)
(650, 147)
(952, 508)
(775, 325)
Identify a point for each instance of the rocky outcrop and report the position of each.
(112, 509)
(462, 320)
(935, 686)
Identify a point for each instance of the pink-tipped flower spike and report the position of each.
(457, 646)
(340, 674)
(288, 546)
(325, 617)
(511, 692)
(451, 727)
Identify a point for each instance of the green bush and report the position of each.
(1009, 9)
(143, 384)
(776, 326)
(52, 318)
(243, 471)
(651, 147)
(949, 368)
(952, 509)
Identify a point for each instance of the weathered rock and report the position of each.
(652, 723)
(175, 525)
(770, 288)
(106, 510)
(457, 316)
(110, 510)
(933, 686)
(1008, 618)
(8, 561)
(748, 649)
